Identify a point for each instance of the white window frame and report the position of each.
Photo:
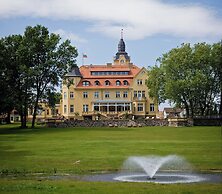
(106, 95)
(118, 94)
(107, 83)
(85, 83)
(85, 95)
(97, 83)
(65, 95)
(85, 108)
(65, 108)
(125, 94)
(143, 94)
(140, 107)
(139, 82)
(71, 108)
(152, 107)
(96, 94)
(118, 83)
(125, 83)
(71, 95)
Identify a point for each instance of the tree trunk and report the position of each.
(187, 111)
(34, 112)
(220, 109)
(8, 118)
(191, 109)
(186, 108)
(23, 121)
(25, 114)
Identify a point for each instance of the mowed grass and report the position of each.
(71, 187)
(86, 150)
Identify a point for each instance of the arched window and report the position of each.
(107, 83)
(118, 83)
(125, 83)
(85, 83)
(97, 83)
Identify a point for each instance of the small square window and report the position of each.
(106, 94)
(125, 94)
(140, 107)
(96, 94)
(71, 108)
(71, 95)
(85, 94)
(139, 82)
(117, 94)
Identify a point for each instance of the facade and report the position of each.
(45, 112)
(14, 116)
(113, 91)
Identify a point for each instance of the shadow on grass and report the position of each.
(15, 129)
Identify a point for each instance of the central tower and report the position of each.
(122, 57)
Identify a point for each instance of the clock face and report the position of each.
(122, 61)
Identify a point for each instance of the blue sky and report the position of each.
(151, 27)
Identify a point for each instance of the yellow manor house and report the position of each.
(113, 91)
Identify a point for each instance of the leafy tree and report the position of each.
(30, 65)
(156, 78)
(49, 60)
(188, 76)
(10, 74)
(53, 98)
(216, 59)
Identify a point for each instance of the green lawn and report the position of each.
(102, 149)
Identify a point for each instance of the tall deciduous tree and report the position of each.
(216, 59)
(10, 79)
(29, 66)
(189, 77)
(47, 58)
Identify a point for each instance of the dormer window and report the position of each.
(107, 83)
(96, 83)
(125, 83)
(85, 83)
(118, 83)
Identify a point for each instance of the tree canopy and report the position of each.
(190, 77)
(32, 64)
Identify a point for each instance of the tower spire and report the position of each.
(121, 48)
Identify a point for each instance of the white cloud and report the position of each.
(139, 18)
(69, 35)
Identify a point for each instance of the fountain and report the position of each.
(157, 169)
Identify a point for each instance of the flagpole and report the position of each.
(83, 56)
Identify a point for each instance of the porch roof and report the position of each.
(112, 101)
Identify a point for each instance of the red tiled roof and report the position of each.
(87, 69)
(86, 76)
(102, 83)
